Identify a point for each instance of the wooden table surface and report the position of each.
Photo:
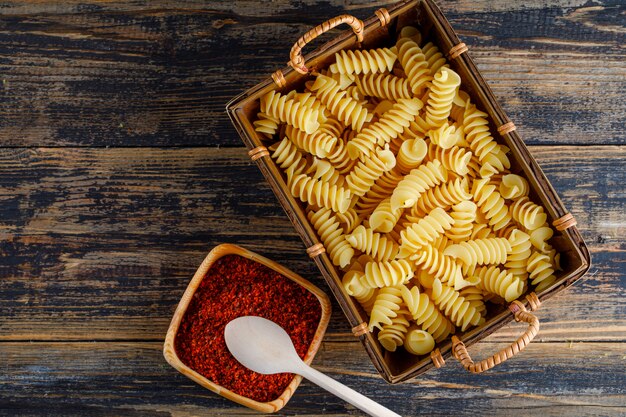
(119, 171)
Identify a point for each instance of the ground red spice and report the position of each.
(236, 286)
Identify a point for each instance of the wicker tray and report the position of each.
(380, 30)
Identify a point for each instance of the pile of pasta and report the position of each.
(409, 192)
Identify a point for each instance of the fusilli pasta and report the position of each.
(480, 251)
(290, 111)
(444, 86)
(425, 314)
(321, 194)
(384, 86)
(345, 108)
(408, 191)
(418, 342)
(367, 171)
(528, 214)
(364, 61)
(331, 234)
(387, 273)
(372, 243)
(457, 308)
(500, 282)
(386, 306)
(425, 231)
(392, 123)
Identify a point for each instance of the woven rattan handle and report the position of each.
(297, 60)
(521, 314)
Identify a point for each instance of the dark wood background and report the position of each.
(119, 171)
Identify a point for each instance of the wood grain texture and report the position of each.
(105, 74)
(101, 243)
(131, 379)
(119, 171)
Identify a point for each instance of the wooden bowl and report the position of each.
(170, 352)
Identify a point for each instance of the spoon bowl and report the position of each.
(265, 347)
(261, 345)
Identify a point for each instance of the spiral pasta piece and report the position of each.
(309, 100)
(507, 230)
(384, 86)
(426, 315)
(392, 335)
(417, 129)
(391, 123)
(517, 259)
(387, 273)
(384, 218)
(440, 266)
(500, 282)
(423, 232)
(480, 251)
(527, 213)
(443, 136)
(266, 125)
(455, 159)
(317, 143)
(366, 172)
(352, 283)
(287, 155)
(476, 129)
(414, 63)
(417, 182)
(541, 271)
(333, 127)
(539, 238)
(372, 243)
(418, 342)
(349, 220)
(343, 80)
(364, 61)
(444, 86)
(321, 169)
(354, 93)
(491, 203)
(444, 195)
(457, 308)
(411, 154)
(441, 243)
(364, 295)
(338, 157)
(463, 215)
(345, 108)
(457, 113)
(513, 186)
(474, 296)
(412, 33)
(481, 231)
(382, 189)
(386, 306)
(290, 111)
(434, 57)
(319, 193)
(331, 234)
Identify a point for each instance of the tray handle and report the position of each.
(296, 58)
(521, 314)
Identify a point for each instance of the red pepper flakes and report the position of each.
(236, 286)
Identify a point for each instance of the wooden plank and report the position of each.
(88, 379)
(251, 7)
(151, 75)
(99, 244)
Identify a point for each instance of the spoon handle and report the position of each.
(348, 394)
